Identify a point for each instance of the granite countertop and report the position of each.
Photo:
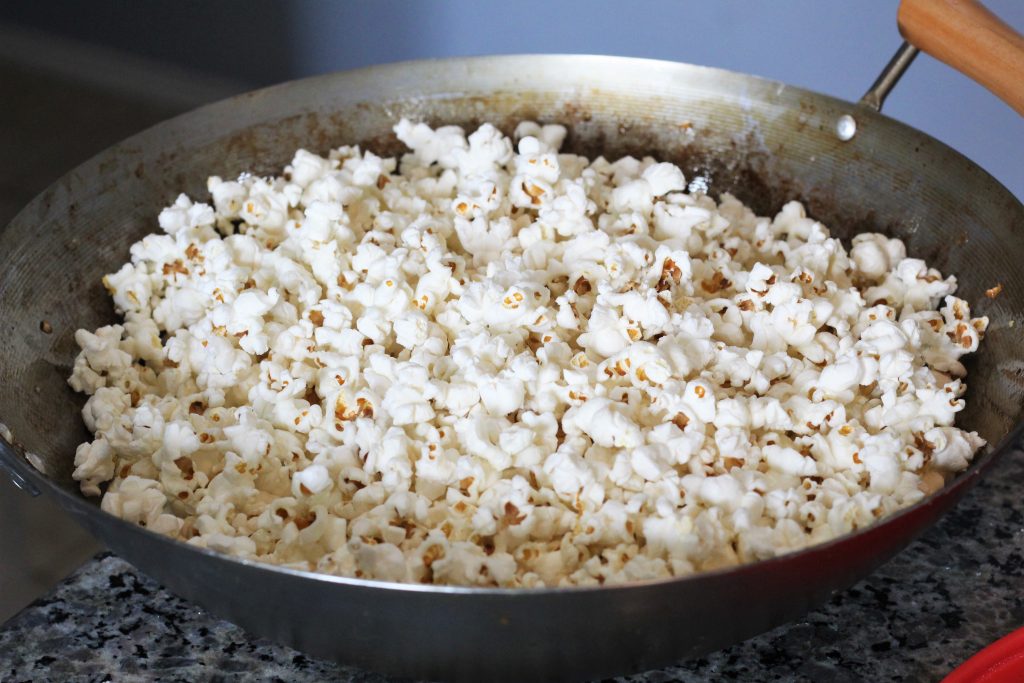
(958, 588)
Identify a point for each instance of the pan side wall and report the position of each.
(517, 635)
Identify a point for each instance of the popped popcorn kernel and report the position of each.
(490, 363)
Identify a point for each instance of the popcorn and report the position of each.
(94, 464)
(606, 422)
(508, 366)
(311, 481)
(873, 255)
(184, 215)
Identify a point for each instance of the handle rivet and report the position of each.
(846, 127)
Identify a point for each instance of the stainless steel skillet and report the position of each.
(763, 141)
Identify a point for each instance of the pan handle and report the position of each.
(972, 40)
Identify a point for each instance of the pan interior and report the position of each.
(764, 142)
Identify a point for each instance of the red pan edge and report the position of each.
(1000, 662)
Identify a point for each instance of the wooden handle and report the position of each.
(972, 40)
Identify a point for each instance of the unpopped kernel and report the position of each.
(496, 364)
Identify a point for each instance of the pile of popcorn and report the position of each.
(482, 366)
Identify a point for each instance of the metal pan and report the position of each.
(766, 142)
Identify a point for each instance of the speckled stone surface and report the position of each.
(948, 595)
